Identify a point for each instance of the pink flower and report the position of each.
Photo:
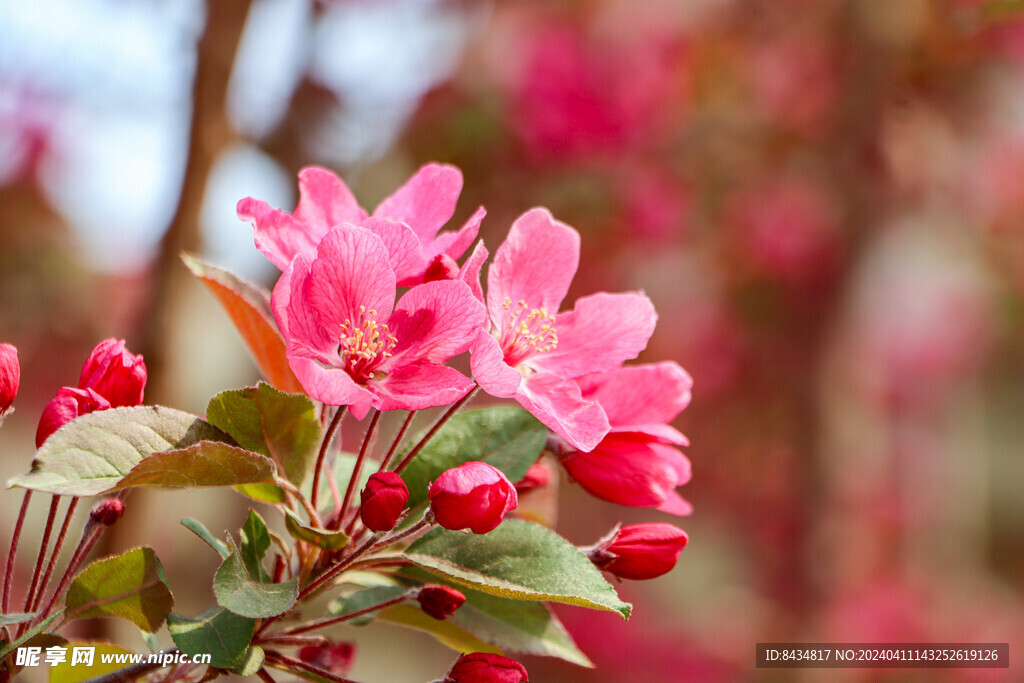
(115, 373)
(10, 377)
(640, 551)
(335, 657)
(472, 496)
(348, 343)
(535, 353)
(637, 464)
(382, 501)
(440, 601)
(483, 667)
(68, 404)
(408, 221)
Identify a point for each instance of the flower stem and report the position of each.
(43, 545)
(331, 621)
(433, 430)
(324, 445)
(371, 434)
(90, 534)
(398, 439)
(296, 664)
(9, 573)
(264, 676)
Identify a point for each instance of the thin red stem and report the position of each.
(43, 545)
(9, 573)
(331, 621)
(264, 676)
(299, 664)
(324, 446)
(371, 433)
(398, 440)
(433, 430)
(54, 554)
(90, 534)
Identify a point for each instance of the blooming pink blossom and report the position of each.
(348, 343)
(408, 221)
(10, 376)
(535, 353)
(637, 464)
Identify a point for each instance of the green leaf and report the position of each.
(321, 538)
(281, 426)
(519, 560)
(508, 438)
(445, 631)
(8, 648)
(197, 527)
(217, 632)
(262, 493)
(245, 592)
(255, 544)
(90, 454)
(518, 625)
(253, 662)
(353, 602)
(130, 585)
(248, 305)
(207, 463)
(66, 673)
(15, 618)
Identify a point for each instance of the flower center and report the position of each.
(529, 331)
(364, 344)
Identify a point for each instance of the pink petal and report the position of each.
(350, 277)
(332, 386)
(653, 393)
(455, 244)
(490, 370)
(658, 432)
(426, 201)
(325, 201)
(535, 264)
(470, 271)
(601, 332)
(277, 235)
(414, 387)
(557, 403)
(405, 253)
(299, 323)
(676, 505)
(435, 321)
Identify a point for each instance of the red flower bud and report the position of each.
(442, 267)
(10, 376)
(472, 496)
(483, 667)
(440, 601)
(107, 511)
(334, 657)
(537, 476)
(68, 404)
(383, 500)
(115, 373)
(640, 551)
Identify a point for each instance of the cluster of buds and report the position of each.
(111, 377)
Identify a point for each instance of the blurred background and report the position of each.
(824, 199)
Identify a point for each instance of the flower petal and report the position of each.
(414, 387)
(332, 386)
(426, 201)
(629, 470)
(653, 393)
(535, 264)
(676, 505)
(470, 271)
(299, 323)
(435, 321)
(601, 332)
(278, 236)
(557, 403)
(456, 243)
(490, 370)
(351, 274)
(405, 253)
(325, 201)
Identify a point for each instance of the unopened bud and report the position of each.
(472, 496)
(440, 601)
(484, 667)
(107, 511)
(640, 551)
(382, 501)
(333, 657)
(115, 373)
(10, 376)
